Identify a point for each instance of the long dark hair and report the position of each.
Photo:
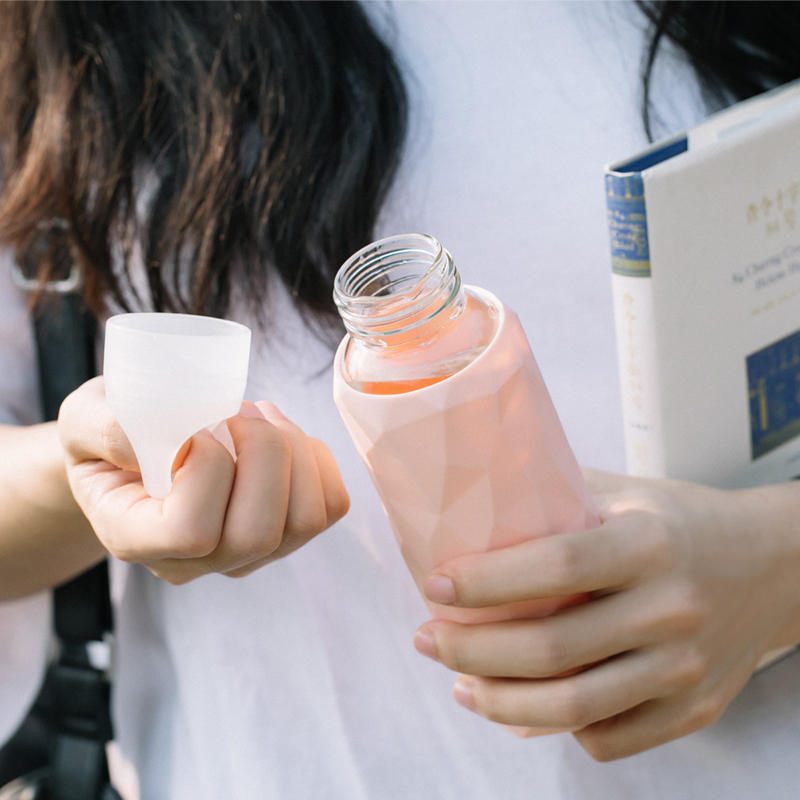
(737, 49)
(268, 134)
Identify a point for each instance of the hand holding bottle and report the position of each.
(692, 586)
(222, 515)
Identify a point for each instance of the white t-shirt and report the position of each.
(300, 681)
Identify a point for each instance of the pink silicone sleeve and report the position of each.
(475, 462)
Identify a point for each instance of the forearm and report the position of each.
(44, 537)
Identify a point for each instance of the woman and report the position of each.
(262, 150)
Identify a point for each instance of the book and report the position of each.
(705, 254)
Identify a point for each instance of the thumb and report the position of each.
(89, 431)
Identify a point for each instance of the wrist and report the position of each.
(771, 515)
(44, 536)
(40, 475)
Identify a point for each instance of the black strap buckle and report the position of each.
(51, 246)
(81, 701)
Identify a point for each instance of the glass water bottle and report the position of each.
(441, 394)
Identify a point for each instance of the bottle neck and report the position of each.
(398, 290)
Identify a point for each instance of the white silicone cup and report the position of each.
(167, 376)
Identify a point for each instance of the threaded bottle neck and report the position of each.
(392, 288)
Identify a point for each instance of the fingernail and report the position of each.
(250, 410)
(271, 411)
(440, 589)
(177, 462)
(425, 643)
(463, 692)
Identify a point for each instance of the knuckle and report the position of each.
(692, 668)
(170, 576)
(272, 539)
(572, 707)
(660, 542)
(308, 523)
(237, 573)
(197, 547)
(269, 441)
(246, 569)
(118, 546)
(686, 610)
(488, 702)
(566, 561)
(454, 652)
(705, 711)
(196, 541)
(277, 442)
(240, 545)
(597, 744)
(549, 652)
(123, 554)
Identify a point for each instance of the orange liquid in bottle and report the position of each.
(450, 345)
(400, 387)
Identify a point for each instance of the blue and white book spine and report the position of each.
(635, 326)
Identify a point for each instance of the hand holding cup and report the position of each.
(220, 514)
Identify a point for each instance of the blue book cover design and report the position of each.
(773, 381)
(627, 225)
(627, 215)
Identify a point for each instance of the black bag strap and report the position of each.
(78, 692)
(65, 336)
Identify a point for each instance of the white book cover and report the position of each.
(705, 247)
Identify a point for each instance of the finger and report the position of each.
(547, 647)
(186, 524)
(256, 516)
(337, 503)
(337, 500)
(649, 725)
(605, 558)
(576, 701)
(89, 431)
(306, 516)
(258, 508)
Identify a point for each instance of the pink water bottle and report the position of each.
(443, 399)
